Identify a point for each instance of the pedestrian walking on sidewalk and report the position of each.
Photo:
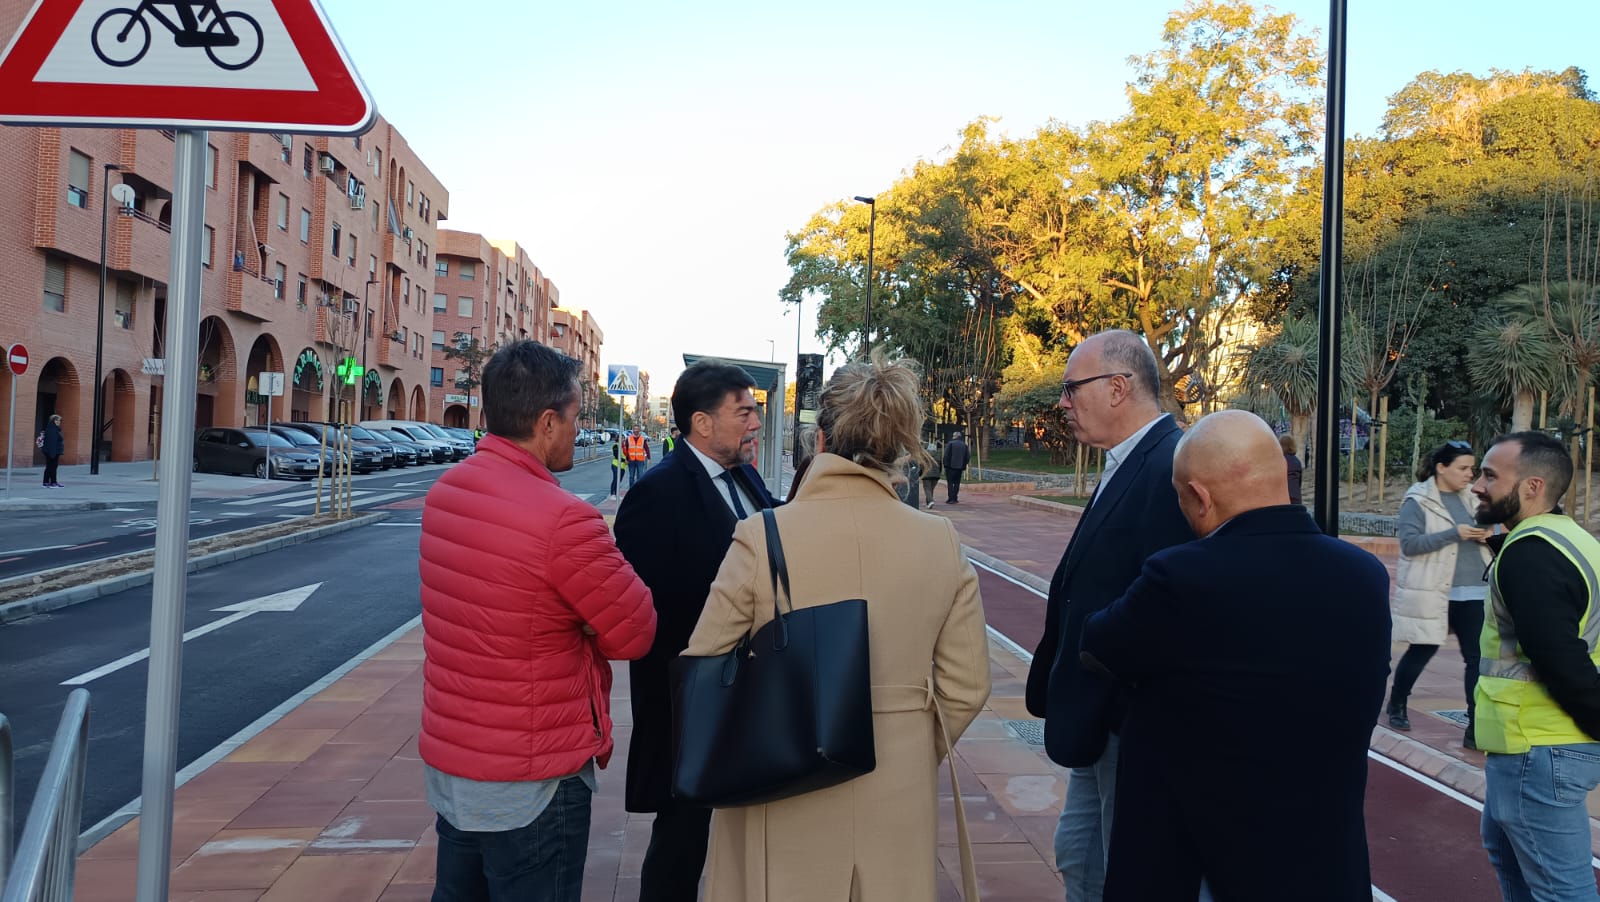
(674, 527)
(956, 457)
(1200, 801)
(930, 476)
(1110, 395)
(618, 467)
(53, 446)
(1291, 459)
(847, 535)
(520, 615)
(1440, 584)
(1538, 700)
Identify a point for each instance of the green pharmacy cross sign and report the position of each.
(349, 371)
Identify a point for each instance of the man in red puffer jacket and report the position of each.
(525, 599)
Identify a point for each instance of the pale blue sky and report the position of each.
(651, 156)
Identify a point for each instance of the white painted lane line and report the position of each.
(1010, 579)
(1379, 895)
(40, 548)
(388, 496)
(312, 498)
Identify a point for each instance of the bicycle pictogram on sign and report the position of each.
(121, 37)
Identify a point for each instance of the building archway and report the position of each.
(397, 400)
(217, 388)
(419, 405)
(306, 381)
(371, 396)
(119, 428)
(59, 391)
(265, 357)
(455, 416)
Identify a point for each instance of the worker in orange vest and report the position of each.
(637, 449)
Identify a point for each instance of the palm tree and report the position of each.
(1516, 354)
(1287, 366)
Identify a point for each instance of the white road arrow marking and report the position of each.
(280, 601)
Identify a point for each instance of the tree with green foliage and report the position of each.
(1286, 364)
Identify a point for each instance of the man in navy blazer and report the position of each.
(1111, 397)
(674, 527)
(1264, 613)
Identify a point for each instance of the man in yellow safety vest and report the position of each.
(1538, 697)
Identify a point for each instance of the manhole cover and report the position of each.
(1031, 731)
(1457, 716)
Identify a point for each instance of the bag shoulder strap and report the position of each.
(776, 562)
(969, 870)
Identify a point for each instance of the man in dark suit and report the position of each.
(674, 528)
(1264, 613)
(956, 457)
(1110, 395)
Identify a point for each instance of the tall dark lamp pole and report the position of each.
(366, 326)
(872, 233)
(100, 323)
(472, 418)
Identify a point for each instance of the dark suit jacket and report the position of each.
(674, 528)
(1264, 617)
(957, 455)
(1135, 515)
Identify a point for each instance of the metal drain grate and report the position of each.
(1457, 716)
(1031, 731)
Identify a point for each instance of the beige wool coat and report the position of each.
(847, 535)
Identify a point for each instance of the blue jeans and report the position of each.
(542, 862)
(635, 470)
(1083, 835)
(1536, 825)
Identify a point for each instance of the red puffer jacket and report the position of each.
(513, 568)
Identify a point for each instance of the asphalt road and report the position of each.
(31, 541)
(234, 674)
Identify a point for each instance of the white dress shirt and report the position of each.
(715, 471)
(1116, 455)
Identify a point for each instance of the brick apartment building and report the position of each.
(577, 334)
(315, 250)
(489, 291)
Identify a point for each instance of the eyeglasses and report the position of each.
(1069, 387)
(1459, 445)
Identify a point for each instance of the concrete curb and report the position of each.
(28, 504)
(1009, 571)
(1053, 507)
(62, 598)
(1000, 487)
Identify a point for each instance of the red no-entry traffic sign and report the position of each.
(258, 65)
(17, 359)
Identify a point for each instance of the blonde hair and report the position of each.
(872, 415)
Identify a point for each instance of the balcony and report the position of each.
(253, 295)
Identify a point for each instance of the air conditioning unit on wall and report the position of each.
(358, 200)
(407, 234)
(328, 164)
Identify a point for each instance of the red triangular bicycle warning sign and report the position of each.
(245, 65)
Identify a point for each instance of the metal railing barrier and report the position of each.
(47, 856)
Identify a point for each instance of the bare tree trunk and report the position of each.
(1522, 411)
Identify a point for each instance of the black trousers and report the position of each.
(1466, 621)
(50, 464)
(676, 855)
(952, 479)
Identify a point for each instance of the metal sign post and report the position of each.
(172, 519)
(17, 361)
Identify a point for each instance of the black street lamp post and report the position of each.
(100, 323)
(872, 233)
(366, 326)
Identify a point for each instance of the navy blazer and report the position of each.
(674, 528)
(1135, 516)
(1264, 617)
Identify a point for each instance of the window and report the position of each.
(468, 270)
(416, 345)
(286, 154)
(441, 268)
(422, 297)
(336, 239)
(211, 167)
(463, 306)
(411, 192)
(436, 376)
(440, 303)
(352, 250)
(280, 275)
(372, 267)
(283, 212)
(300, 289)
(208, 246)
(405, 290)
(305, 226)
(123, 314)
(438, 340)
(78, 180)
(55, 285)
(306, 166)
(377, 162)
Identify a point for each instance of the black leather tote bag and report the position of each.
(787, 711)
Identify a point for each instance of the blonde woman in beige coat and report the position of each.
(846, 534)
(1439, 584)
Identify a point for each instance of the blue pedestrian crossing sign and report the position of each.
(622, 379)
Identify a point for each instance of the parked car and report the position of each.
(331, 456)
(244, 450)
(407, 452)
(392, 454)
(463, 434)
(365, 457)
(442, 451)
(459, 447)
